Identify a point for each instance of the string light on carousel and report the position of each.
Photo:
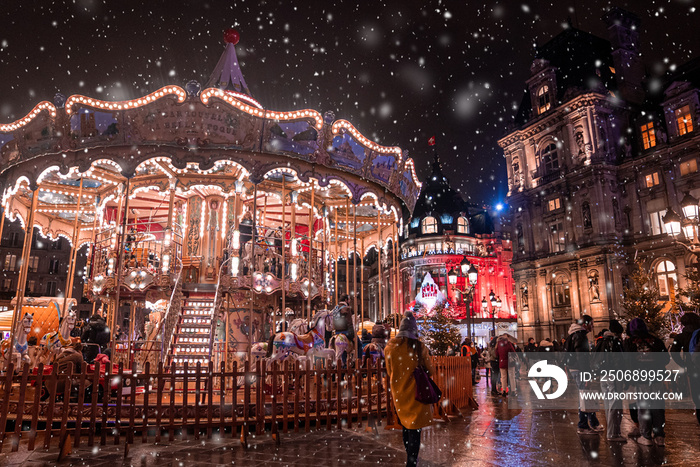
(206, 202)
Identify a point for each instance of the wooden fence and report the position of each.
(94, 406)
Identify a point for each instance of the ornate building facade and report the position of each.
(598, 155)
(443, 231)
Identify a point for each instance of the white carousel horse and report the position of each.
(18, 351)
(311, 344)
(53, 342)
(299, 326)
(340, 343)
(258, 351)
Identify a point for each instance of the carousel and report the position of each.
(207, 219)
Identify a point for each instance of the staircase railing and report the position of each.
(172, 315)
(212, 320)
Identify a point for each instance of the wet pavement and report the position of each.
(493, 435)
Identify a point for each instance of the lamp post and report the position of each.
(688, 224)
(470, 274)
(496, 305)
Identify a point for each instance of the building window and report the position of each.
(666, 278)
(31, 286)
(561, 292)
(684, 120)
(543, 103)
(652, 179)
(7, 285)
(14, 239)
(33, 264)
(51, 288)
(557, 237)
(429, 225)
(554, 204)
(462, 225)
(550, 159)
(689, 167)
(10, 262)
(656, 223)
(56, 245)
(648, 136)
(53, 266)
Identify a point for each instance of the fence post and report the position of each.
(197, 397)
(171, 426)
(105, 402)
(246, 403)
(210, 397)
(118, 415)
(234, 399)
(185, 397)
(297, 388)
(222, 398)
(146, 396)
(7, 391)
(38, 384)
(307, 396)
(20, 407)
(51, 388)
(81, 404)
(275, 432)
(66, 405)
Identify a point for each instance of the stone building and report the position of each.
(598, 153)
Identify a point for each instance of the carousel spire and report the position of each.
(227, 73)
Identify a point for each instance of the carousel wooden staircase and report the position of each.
(192, 334)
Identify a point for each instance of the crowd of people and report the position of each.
(405, 353)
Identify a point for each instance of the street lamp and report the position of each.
(470, 274)
(688, 224)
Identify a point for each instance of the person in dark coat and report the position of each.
(577, 342)
(651, 421)
(95, 332)
(681, 343)
(366, 338)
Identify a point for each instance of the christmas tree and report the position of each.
(439, 332)
(641, 300)
(692, 289)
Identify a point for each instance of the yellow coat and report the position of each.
(400, 363)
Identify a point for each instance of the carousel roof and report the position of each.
(227, 74)
(82, 152)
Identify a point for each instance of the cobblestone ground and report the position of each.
(491, 435)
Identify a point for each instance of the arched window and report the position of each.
(543, 103)
(550, 158)
(561, 293)
(429, 225)
(666, 277)
(462, 225)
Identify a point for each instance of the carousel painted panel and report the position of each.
(89, 126)
(346, 152)
(383, 167)
(298, 138)
(20, 141)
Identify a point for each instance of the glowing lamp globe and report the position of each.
(672, 222)
(231, 36)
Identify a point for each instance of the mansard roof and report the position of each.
(583, 62)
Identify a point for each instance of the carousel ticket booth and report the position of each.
(208, 217)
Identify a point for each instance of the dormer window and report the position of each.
(684, 120)
(429, 225)
(543, 102)
(648, 136)
(462, 225)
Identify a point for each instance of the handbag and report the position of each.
(427, 392)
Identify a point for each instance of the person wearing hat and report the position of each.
(403, 354)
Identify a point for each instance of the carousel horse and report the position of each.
(18, 351)
(53, 342)
(340, 343)
(258, 351)
(299, 326)
(311, 344)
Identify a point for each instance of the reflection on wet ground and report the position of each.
(491, 435)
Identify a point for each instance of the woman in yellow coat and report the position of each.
(403, 354)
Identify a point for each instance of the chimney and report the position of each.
(623, 33)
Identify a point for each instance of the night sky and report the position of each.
(400, 71)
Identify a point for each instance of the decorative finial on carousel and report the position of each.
(231, 36)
